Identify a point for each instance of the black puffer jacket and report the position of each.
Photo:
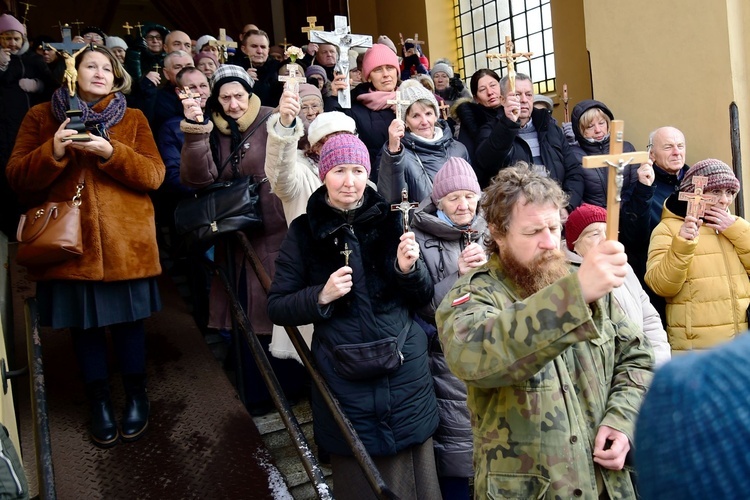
(594, 179)
(391, 412)
(416, 165)
(499, 146)
(471, 117)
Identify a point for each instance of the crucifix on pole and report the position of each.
(616, 161)
(344, 40)
(223, 44)
(509, 57)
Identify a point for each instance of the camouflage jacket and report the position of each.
(543, 374)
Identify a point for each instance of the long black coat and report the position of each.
(499, 146)
(392, 412)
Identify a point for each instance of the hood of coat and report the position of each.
(575, 118)
(418, 145)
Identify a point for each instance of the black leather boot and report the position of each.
(135, 417)
(102, 428)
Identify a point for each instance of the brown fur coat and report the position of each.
(117, 216)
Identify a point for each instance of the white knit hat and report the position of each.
(328, 123)
(203, 41)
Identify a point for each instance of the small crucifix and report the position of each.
(468, 236)
(127, 27)
(223, 44)
(346, 252)
(342, 38)
(697, 201)
(444, 108)
(285, 45)
(509, 57)
(405, 207)
(565, 102)
(311, 20)
(616, 160)
(138, 26)
(156, 67)
(398, 102)
(186, 93)
(292, 81)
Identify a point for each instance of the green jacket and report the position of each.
(543, 374)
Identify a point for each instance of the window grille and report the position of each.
(482, 25)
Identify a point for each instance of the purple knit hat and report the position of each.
(720, 176)
(455, 174)
(343, 149)
(10, 23)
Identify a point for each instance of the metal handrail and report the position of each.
(39, 410)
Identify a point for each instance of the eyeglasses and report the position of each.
(153, 38)
(312, 107)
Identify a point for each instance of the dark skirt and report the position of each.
(91, 304)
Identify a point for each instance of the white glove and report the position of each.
(30, 85)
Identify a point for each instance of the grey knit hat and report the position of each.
(441, 67)
(720, 176)
(413, 91)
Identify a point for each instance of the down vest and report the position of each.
(391, 412)
(705, 281)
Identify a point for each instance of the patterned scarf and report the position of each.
(108, 117)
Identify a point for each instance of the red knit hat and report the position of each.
(580, 219)
(377, 55)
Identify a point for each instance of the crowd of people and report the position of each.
(448, 269)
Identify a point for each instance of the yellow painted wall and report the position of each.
(431, 19)
(571, 57)
(672, 62)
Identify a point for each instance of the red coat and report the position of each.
(117, 216)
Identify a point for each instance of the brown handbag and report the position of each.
(51, 233)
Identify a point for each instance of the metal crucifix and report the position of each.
(616, 161)
(405, 207)
(510, 61)
(344, 40)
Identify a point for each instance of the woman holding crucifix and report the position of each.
(700, 262)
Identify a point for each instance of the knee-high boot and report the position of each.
(135, 417)
(103, 428)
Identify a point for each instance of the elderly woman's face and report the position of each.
(95, 76)
(420, 120)
(234, 99)
(724, 198)
(11, 40)
(460, 206)
(311, 107)
(594, 234)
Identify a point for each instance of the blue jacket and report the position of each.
(391, 412)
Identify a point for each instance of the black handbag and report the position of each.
(368, 360)
(221, 208)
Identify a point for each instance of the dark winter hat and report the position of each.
(154, 27)
(720, 176)
(314, 69)
(455, 174)
(230, 73)
(694, 426)
(95, 30)
(376, 56)
(580, 219)
(343, 149)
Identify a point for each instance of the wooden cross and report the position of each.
(78, 25)
(285, 45)
(186, 93)
(405, 207)
(311, 20)
(292, 81)
(616, 160)
(697, 201)
(510, 61)
(398, 102)
(223, 44)
(444, 108)
(346, 253)
(344, 40)
(127, 27)
(26, 11)
(138, 26)
(565, 101)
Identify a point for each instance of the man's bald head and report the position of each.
(667, 149)
(177, 40)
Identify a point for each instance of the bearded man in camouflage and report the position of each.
(556, 372)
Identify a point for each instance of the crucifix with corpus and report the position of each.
(223, 45)
(510, 58)
(69, 50)
(616, 161)
(186, 93)
(698, 202)
(405, 207)
(344, 40)
(398, 102)
(311, 26)
(292, 81)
